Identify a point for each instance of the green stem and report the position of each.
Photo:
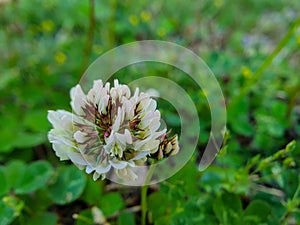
(111, 24)
(267, 62)
(84, 219)
(287, 213)
(90, 38)
(144, 194)
(293, 99)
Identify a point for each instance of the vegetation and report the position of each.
(251, 46)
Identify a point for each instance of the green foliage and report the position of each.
(93, 192)
(24, 179)
(87, 216)
(43, 218)
(228, 209)
(67, 185)
(7, 214)
(126, 219)
(257, 212)
(36, 176)
(111, 203)
(10, 208)
(14, 172)
(4, 185)
(255, 178)
(222, 194)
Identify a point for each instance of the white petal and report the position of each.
(121, 139)
(124, 138)
(98, 88)
(110, 141)
(93, 93)
(150, 142)
(125, 91)
(128, 136)
(60, 119)
(54, 118)
(116, 83)
(113, 94)
(140, 155)
(139, 144)
(154, 125)
(89, 169)
(102, 104)
(145, 123)
(78, 99)
(61, 137)
(103, 168)
(118, 164)
(128, 108)
(136, 93)
(151, 106)
(150, 146)
(77, 158)
(80, 137)
(62, 151)
(143, 102)
(126, 174)
(158, 133)
(119, 120)
(107, 87)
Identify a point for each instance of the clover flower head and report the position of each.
(110, 130)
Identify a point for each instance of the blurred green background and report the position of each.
(251, 46)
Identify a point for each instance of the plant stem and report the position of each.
(284, 218)
(293, 99)
(278, 48)
(111, 24)
(144, 194)
(90, 38)
(267, 62)
(83, 219)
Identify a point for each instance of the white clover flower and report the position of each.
(110, 130)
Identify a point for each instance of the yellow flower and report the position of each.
(298, 40)
(161, 32)
(218, 3)
(60, 57)
(97, 49)
(133, 20)
(47, 25)
(246, 72)
(146, 16)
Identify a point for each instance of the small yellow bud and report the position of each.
(97, 49)
(146, 16)
(161, 32)
(298, 40)
(60, 57)
(133, 20)
(218, 3)
(47, 25)
(246, 72)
